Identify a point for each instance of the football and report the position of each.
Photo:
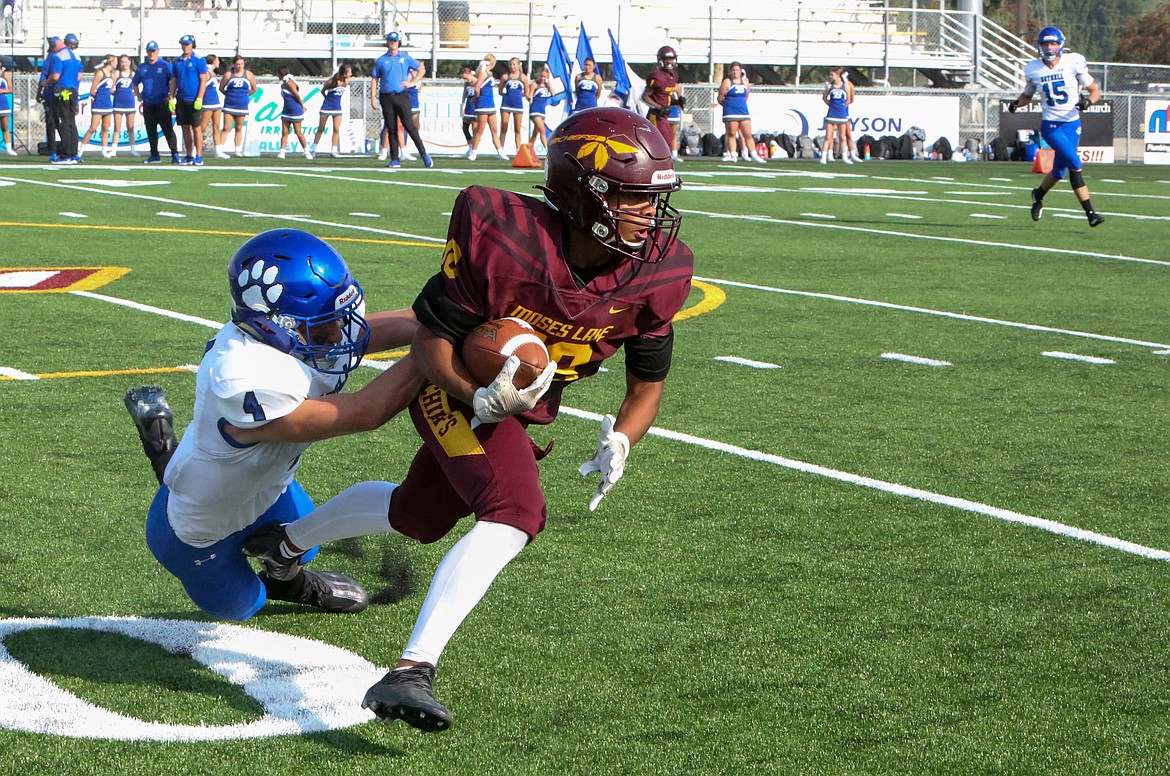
(488, 346)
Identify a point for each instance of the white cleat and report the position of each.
(407, 156)
(500, 153)
(221, 154)
(335, 154)
(383, 154)
(471, 155)
(309, 155)
(134, 152)
(280, 155)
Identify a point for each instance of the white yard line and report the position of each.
(231, 210)
(747, 362)
(935, 238)
(146, 308)
(789, 463)
(1077, 357)
(941, 313)
(16, 374)
(963, 504)
(915, 359)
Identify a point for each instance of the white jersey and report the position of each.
(1059, 86)
(217, 485)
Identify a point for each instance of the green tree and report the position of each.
(1093, 27)
(1147, 38)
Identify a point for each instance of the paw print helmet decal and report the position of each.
(294, 292)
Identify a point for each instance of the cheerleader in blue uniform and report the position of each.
(467, 75)
(6, 110)
(836, 96)
(238, 85)
(538, 96)
(513, 88)
(737, 122)
(332, 93)
(101, 105)
(125, 105)
(485, 108)
(586, 86)
(293, 113)
(213, 107)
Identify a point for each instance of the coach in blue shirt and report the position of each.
(61, 97)
(154, 87)
(190, 78)
(394, 73)
(45, 97)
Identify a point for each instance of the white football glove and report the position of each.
(502, 398)
(612, 449)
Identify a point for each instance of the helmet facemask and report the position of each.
(661, 225)
(334, 343)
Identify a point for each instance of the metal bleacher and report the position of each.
(864, 33)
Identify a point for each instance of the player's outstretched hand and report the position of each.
(502, 398)
(1084, 102)
(612, 449)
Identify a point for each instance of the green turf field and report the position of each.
(934, 540)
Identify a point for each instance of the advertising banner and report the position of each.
(1096, 128)
(1157, 143)
(870, 114)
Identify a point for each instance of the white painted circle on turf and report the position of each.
(305, 686)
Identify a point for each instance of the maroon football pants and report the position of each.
(489, 470)
(666, 128)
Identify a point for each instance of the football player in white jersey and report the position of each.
(1059, 78)
(268, 385)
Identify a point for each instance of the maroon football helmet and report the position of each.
(667, 58)
(598, 154)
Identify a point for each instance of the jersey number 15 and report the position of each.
(1054, 93)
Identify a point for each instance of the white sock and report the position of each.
(360, 510)
(461, 580)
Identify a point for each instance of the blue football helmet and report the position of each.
(292, 291)
(1044, 41)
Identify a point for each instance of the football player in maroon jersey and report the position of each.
(662, 91)
(595, 267)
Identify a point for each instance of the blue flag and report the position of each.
(628, 86)
(621, 79)
(584, 50)
(558, 65)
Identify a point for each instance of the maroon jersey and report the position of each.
(505, 257)
(660, 85)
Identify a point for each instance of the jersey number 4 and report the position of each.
(1054, 93)
(252, 406)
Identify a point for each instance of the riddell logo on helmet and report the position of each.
(346, 297)
(662, 176)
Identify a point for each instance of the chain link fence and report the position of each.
(802, 38)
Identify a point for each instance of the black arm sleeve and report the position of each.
(439, 313)
(648, 358)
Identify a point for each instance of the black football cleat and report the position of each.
(327, 590)
(406, 694)
(267, 543)
(1096, 219)
(1037, 204)
(153, 418)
